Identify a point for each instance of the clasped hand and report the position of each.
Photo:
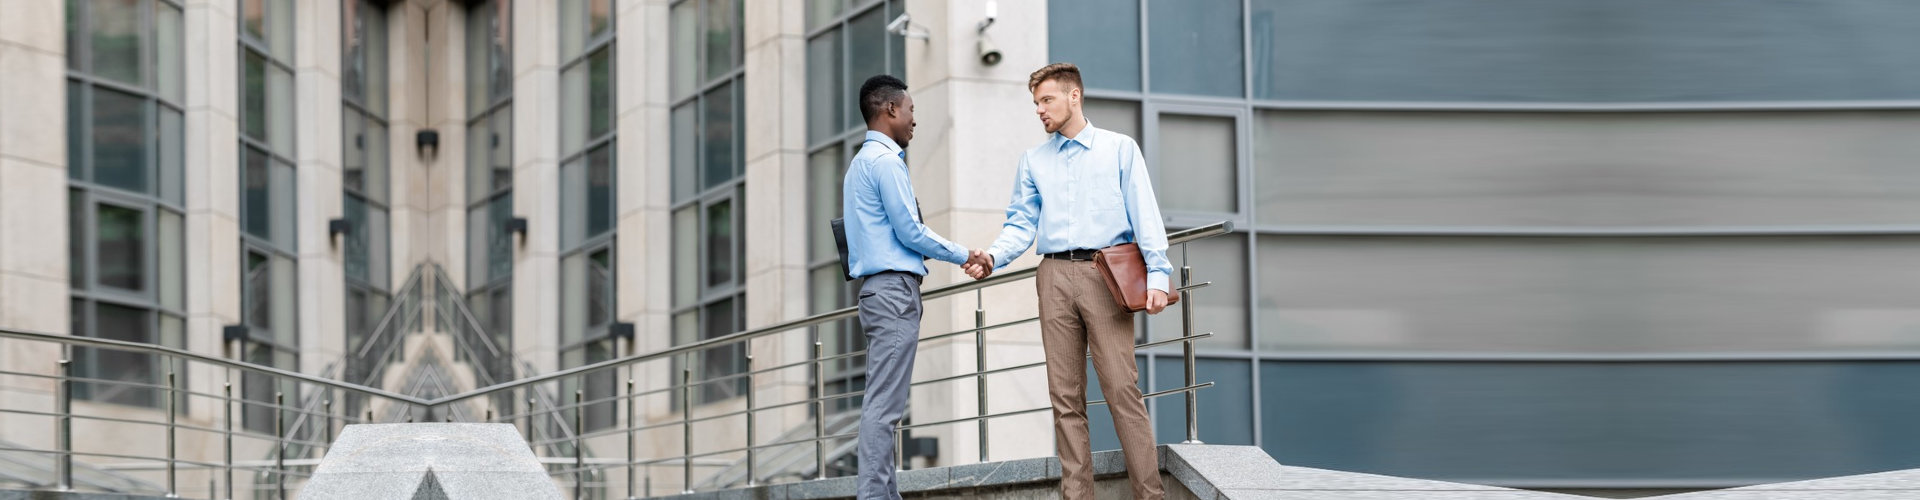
(979, 264)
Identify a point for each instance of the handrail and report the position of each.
(1214, 229)
(194, 356)
(441, 282)
(393, 311)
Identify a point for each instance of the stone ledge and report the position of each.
(1901, 484)
(72, 495)
(1193, 471)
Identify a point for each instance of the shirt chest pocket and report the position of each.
(1100, 189)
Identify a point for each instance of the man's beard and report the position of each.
(1062, 124)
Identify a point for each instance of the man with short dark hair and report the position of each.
(887, 245)
(1096, 194)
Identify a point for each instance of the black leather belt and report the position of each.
(1071, 255)
(915, 277)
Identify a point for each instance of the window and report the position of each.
(125, 202)
(363, 88)
(490, 167)
(268, 197)
(845, 46)
(587, 206)
(708, 193)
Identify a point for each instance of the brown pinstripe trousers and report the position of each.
(1076, 312)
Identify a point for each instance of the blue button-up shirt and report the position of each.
(884, 231)
(1085, 193)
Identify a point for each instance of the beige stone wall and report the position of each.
(33, 222)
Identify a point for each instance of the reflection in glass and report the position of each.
(122, 247)
(116, 30)
(120, 140)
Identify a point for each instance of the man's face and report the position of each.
(903, 123)
(1052, 102)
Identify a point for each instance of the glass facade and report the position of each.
(1419, 243)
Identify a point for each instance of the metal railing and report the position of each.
(682, 390)
(686, 413)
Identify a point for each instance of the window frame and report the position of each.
(151, 204)
(248, 242)
(497, 102)
(597, 385)
(708, 194)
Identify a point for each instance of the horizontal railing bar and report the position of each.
(1175, 340)
(951, 378)
(298, 462)
(1034, 319)
(1156, 394)
(963, 420)
(193, 356)
(777, 406)
(190, 427)
(126, 457)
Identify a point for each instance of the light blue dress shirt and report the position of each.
(884, 231)
(1085, 193)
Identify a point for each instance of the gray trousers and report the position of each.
(890, 315)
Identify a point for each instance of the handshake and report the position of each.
(979, 264)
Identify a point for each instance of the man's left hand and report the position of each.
(1156, 301)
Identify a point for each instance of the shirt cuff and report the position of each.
(957, 255)
(1157, 280)
(1000, 258)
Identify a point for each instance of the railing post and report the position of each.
(173, 485)
(750, 466)
(63, 423)
(819, 410)
(980, 365)
(631, 418)
(280, 442)
(1186, 330)
(579, 454)
(686, 426)
(536, 449)
(326, 409)
(228, 404)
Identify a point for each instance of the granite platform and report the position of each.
(430, 461)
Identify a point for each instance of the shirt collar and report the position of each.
(876, 136)
(1087, 137)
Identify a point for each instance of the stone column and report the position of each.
(536, 182)
(213, 190)
(974, 122)
(317, 144)
(33, 212)
(776, 221)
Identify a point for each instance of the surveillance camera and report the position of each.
(989, 54)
